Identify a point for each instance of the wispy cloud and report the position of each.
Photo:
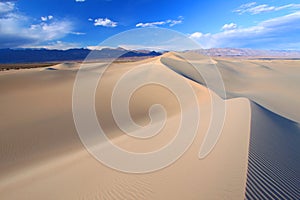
(17, 30)
(277, 33)
(228, 27)
(103, 22)
(80, 1)
(253, 8)
(49, 31)
(150, 24)
(6, 7)
(77, 33)
(55, 45)
(170, 22)
(97, 47)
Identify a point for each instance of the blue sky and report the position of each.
(62, 24)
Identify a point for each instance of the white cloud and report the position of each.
(170, 22)
(97, 47)
(173, 22)
(77, 33)
(247, 5)
(6, 7)
(196, 35)
(150, 24)
(79, 0)
(17, 30)
(55, 45)
(230, 26)
(49, 31)
(157, 48)
(273, 33)
(253, 8)
(46, 18)
(161, 40)
(104, 22)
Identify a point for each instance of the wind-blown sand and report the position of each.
(274, 163)
(41, 155)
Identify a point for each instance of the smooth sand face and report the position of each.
(270, 83)
(42, 156)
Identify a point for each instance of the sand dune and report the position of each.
(42, 156)
(274, 165)
(270, 83)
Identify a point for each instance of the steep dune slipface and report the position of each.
(274, 163)
(274, 84)
(42, 157)
(273, 170)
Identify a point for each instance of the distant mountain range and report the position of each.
(248, 53)
(46, 55)
(8, 56)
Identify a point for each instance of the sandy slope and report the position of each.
(273, 170)
(43, 158)
(274, 84)
(274, 162)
